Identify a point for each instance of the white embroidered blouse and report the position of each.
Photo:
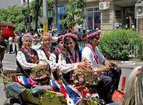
(23, 62)
(42, 55)
(64, 66)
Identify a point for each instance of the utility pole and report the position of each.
(55, 16)
(28, 16)
(45, 27)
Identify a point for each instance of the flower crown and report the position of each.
(59, 37)
(93, 34)
(71, 35)
(48, 35)
(26, 35)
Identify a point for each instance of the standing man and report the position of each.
(110, 78)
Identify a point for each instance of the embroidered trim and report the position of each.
(47, 53)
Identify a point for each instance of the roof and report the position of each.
(4, 25)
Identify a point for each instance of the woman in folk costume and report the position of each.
(71, 58)
(110, 78)
(46, 49)
(55, 56)
(26, 56)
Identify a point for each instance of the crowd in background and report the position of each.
(15, 42)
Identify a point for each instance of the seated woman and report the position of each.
(55, 56)
(46, 49)
(70, 59)
(26, 56)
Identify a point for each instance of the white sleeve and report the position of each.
(22, 61)
(42, 56)
(100, 56)
(64, 67)
(87, 54)
(53, 64)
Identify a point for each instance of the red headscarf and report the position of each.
(7, 32)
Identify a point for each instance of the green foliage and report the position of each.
(117, 44)
(37, 12)
(75, 13)
(13, 13)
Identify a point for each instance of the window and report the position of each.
(93, 18)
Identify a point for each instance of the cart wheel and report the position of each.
(12, 101)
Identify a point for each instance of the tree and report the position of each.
(13, 13)
(37, 11)
(35, 8)
(75, 13)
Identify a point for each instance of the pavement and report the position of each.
(128, 64)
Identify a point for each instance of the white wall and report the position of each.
(6, 3)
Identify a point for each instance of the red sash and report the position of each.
(46, 50)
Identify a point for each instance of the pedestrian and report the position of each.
(83, 36)
(79, 34)
(110, 78)
(10, 45)
(16, 42)
(20, 40)
(13, 43)
(35, 39)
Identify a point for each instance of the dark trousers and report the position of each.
(108, 84)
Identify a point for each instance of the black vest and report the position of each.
(41, 48)
(28, 59)
(55, 72)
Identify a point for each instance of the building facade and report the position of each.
(111, 14)
(107, 15)
(5, 3)
(59, 14)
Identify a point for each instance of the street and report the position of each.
(9, 63)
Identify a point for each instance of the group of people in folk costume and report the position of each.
(67, 57)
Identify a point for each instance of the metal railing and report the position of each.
(135, 50)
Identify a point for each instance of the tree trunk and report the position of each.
(37, 8)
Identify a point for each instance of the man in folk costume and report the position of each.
(110, 78)
(3, 44)
(46, 49)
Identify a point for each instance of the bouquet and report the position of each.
(86, 76)
(41, 75)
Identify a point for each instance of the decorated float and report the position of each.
(41, 87)
(6, 30)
